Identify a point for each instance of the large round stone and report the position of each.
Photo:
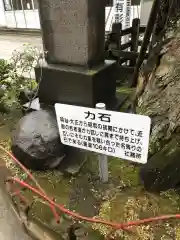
(36, 142)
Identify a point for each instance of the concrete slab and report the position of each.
(14, 41)
(10, 226)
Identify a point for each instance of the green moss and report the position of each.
(126, 90)
(56, 187)
(122, 199)
(141, 110)
(91, 72)
(125, 171)
(134, 205)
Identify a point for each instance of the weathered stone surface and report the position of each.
(161, 97)
(73, 31)
(76, 85)
(162, 170)
(75, 159)
(36, 141)
(160, 100)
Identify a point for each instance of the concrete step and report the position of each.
(23, 31)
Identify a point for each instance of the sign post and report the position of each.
(102, 159)
(109, 133)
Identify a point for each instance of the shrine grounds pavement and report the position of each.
(11, 41)
(10, 226)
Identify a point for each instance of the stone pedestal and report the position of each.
(75, 71)
(75, 85)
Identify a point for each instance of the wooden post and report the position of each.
(146, 40)
(134, 38)
(113, 41)
(116, 33)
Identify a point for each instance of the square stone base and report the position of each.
(77, 85)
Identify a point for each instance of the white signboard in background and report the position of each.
(128, 14)
(122, 14)
(121, 135)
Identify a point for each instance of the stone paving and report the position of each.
(10, 226)
(12, 41)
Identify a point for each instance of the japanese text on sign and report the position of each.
(112, 133)
(122, 12)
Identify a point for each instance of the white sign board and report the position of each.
(121, 135)
(122, 14)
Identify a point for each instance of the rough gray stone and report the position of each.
(36, 142)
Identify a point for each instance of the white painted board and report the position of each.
(122, 14)
(117, 134)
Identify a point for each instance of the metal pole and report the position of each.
(102, 159)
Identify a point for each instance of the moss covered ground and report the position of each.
(122, 199)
